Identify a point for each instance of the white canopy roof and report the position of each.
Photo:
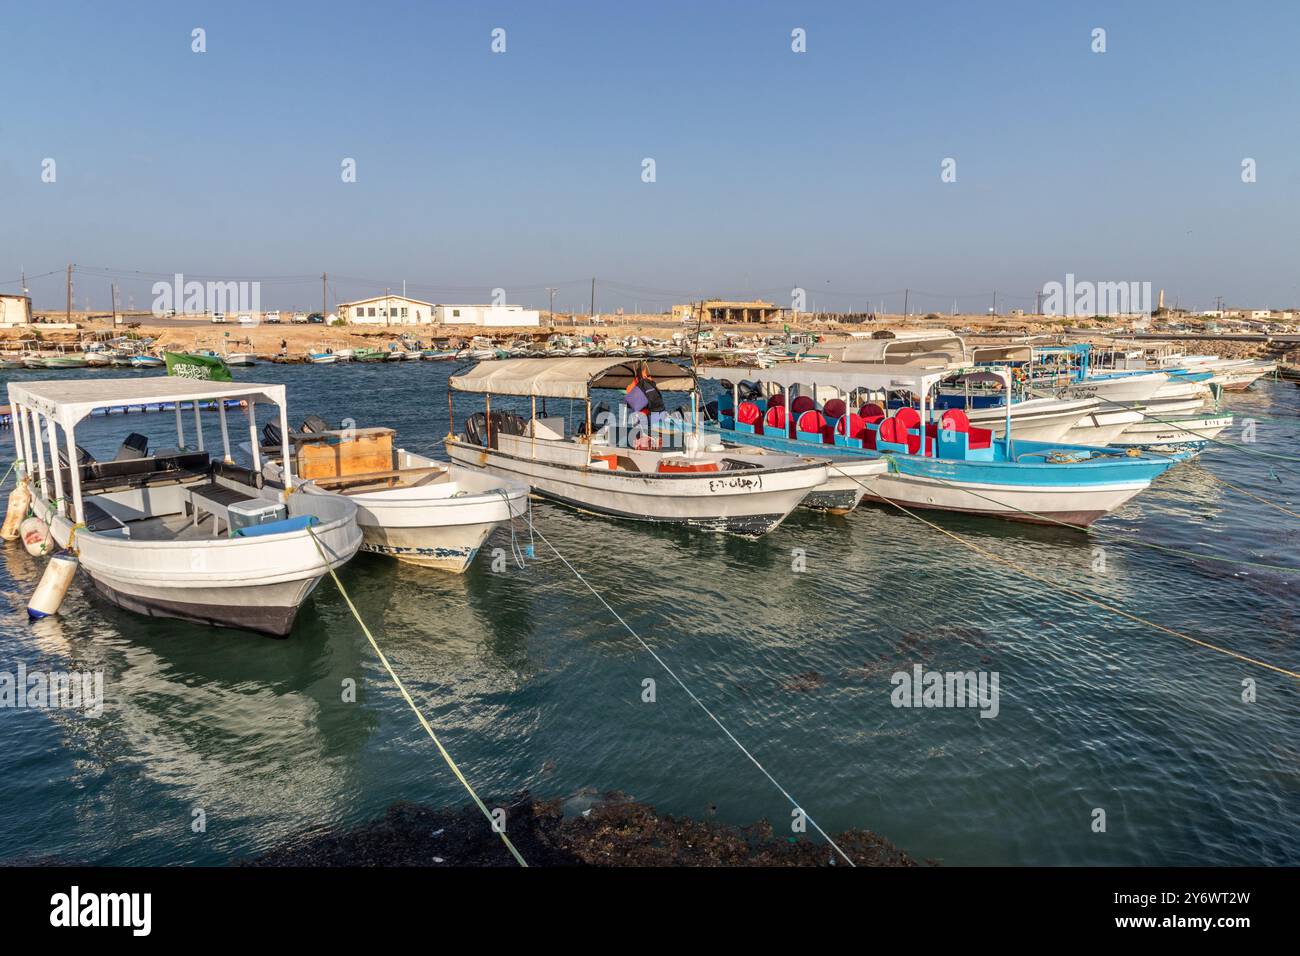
(70, 400)
(568, 377)
(845, 376)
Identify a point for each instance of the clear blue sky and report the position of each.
(774, 169)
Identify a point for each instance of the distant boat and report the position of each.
(241, 358)
(146, 361)
(322, 358)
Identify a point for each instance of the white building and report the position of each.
(487, 315)
(387, 310)
(15, 309)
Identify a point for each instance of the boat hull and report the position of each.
(1039, 504)
(266, 609)
(741, 503)
(255, 583)
(1174, 431)
(437, 530)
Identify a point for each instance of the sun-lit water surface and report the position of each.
(533, 684)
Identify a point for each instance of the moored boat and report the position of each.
(177, 532)
(936, 461)
(410, 507)
(639, 474)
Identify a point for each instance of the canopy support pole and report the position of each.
(54, 463)
(198, 423)
(16, 418)
(74, 469)
(225, 431)
(252, 436)
(532, 430)
(180, 428)
(286, 473)
(589, 429)
(40, 451)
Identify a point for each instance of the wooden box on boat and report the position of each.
(339, 454)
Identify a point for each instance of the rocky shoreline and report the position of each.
(615, 831)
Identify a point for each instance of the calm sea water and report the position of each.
(533, 684)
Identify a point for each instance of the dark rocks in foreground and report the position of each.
(615, 832)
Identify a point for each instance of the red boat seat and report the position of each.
(775, 418)
(908, 417)
(813, 422)
(777, 400)
(801, 404)
(748, 413)
(872, 412)
(956, 420)
(834, 408)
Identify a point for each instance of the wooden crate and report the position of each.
(338, 454)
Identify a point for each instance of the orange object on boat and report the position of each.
(685, 465)
(610, 460)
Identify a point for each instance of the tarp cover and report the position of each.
(846, 376)
(567, 377)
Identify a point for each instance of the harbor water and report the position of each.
(214, 746)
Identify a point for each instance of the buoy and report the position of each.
(36, 536)
(19, 500)
(56, 580)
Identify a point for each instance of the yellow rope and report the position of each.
(411, 703)
(1243, 491)
(1078, 594)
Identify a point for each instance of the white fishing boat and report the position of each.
(177, 532)
(659, 474)
(1155, 431)
(1103, 426)
(241, 358)
(410, 507)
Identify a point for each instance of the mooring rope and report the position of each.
(411, 703)
(1071, 591)
(1126, 539)
(680, 683)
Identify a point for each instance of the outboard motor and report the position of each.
(749, 391)
(313, 425)
(134, 446)
(271, 436)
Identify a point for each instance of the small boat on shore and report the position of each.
(176, 532)
(666, 475)
(412, 508)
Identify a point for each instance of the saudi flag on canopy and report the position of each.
(206, 367)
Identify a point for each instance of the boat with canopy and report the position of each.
(179, 532)
(937, 459)
(642, 464)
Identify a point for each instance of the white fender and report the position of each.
(36, 536)
(56, 580)
(19, 500)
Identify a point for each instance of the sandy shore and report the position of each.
(297, 340)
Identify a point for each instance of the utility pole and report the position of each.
(113, 296)
(67, 313)
(551, 315)
(323, 297)
(906, 295)
(592, 313)
(995, 301)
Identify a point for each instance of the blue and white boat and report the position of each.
(937, 460)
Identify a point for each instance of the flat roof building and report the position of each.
(386, 310)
